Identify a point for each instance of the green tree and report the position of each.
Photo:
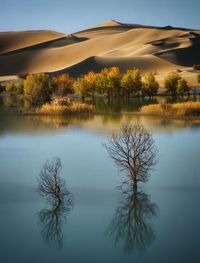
(150, 85)
(171, 82)
(132, 82)
(108, 81)
(15, 88)
(85, 85)
(10, 87)
(37, 88)
(182, 86)
(19, 88)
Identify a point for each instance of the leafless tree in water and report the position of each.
(131, 223)
(53, 187)
(50, 183)
(133, 150)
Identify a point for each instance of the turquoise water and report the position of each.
(102, 225)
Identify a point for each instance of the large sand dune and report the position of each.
(157, 49)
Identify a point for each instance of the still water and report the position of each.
(160, 223)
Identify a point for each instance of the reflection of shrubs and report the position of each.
(37, 88)
(64, 106)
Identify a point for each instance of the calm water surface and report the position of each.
(158, 224)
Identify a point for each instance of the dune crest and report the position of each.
(157, 49)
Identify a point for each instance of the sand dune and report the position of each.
(157, 49)
(10, 41)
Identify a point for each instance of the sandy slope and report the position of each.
(109, 44)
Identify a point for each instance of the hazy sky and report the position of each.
(72, 15)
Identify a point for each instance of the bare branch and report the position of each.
(50, 184)
(133, 150)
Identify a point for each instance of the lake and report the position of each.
(158, 224)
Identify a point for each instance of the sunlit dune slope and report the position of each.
(108, 44)
(10, 41)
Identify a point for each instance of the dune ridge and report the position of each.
(157, 49)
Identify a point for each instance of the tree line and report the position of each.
(39, 88)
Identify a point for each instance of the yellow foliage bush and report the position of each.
(60, 107)
(184, 109)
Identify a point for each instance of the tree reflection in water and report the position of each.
(54, 189)
(52, 220)
(131, 223)
(133, 150)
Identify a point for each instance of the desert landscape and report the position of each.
(157, 49)
(99, 131)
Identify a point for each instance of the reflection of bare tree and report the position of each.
(54, 189)
(51, 221)
(131, 223)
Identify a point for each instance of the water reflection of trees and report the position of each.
(51, 221)
(133, 150)
(131, 223)
(53, 187)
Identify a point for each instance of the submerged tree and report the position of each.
(50, 183)
(131, 223)
(54, 189)
(133, 150)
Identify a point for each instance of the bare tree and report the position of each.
(51, 185)
(133, 150)
(54, 189)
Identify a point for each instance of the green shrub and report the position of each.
(38, 88)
